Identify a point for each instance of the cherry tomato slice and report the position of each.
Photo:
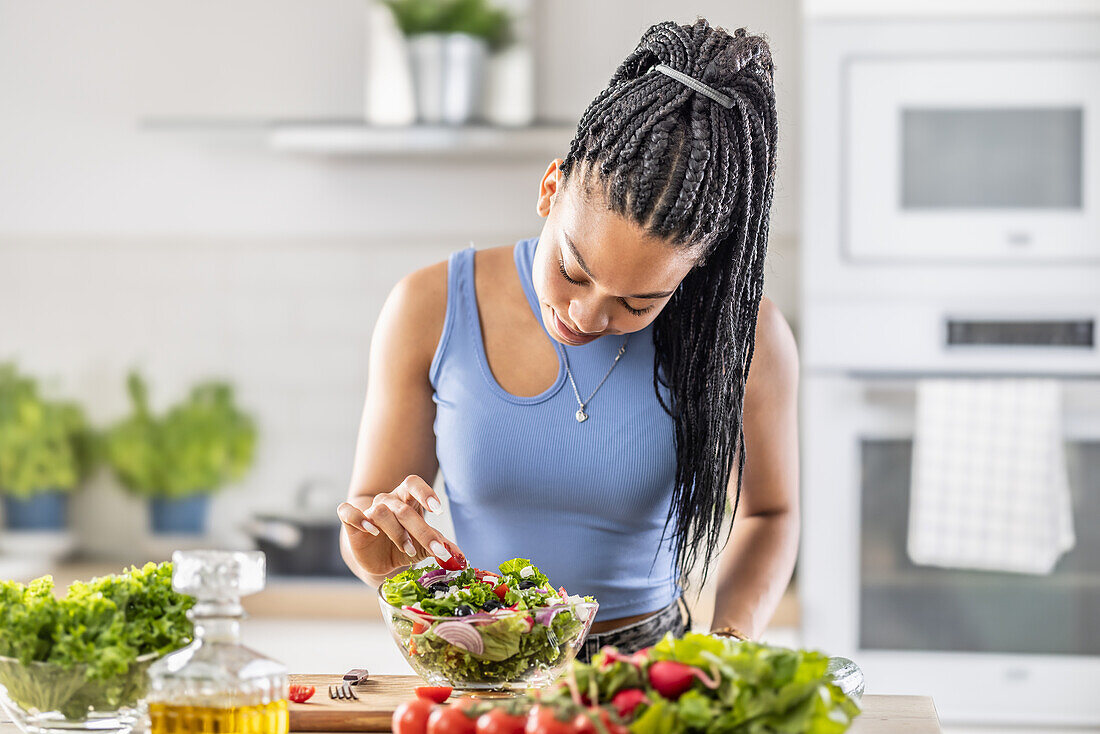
(500, 591)
(456, 562)
(435, 694)
(300, 693)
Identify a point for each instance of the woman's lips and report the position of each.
(568, 335)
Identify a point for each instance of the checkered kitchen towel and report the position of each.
(989, 487)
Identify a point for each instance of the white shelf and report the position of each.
(482, 141)
(352, 138)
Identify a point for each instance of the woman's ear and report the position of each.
(548, 187)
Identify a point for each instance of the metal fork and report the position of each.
(342, 692)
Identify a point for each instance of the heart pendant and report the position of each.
(581, 415)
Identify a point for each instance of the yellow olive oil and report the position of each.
(267, 718)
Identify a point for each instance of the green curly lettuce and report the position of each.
(103, 625)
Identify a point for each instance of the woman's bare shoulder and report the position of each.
(774, 366)
(411, 321)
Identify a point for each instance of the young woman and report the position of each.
(587, 393)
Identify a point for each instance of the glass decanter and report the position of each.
(216, 684)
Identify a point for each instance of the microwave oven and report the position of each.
(971, 157)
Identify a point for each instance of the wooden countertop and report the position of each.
(881, 715)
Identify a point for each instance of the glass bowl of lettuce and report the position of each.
(476, 630)
(78, 662)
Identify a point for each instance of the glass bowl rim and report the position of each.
(593, 605)
(143, 658)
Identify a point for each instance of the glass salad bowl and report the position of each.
(499, 650)
(42, 697)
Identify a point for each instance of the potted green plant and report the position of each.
(449, 42)
(179, 459)
(45, 453)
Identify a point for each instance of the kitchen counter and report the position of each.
(881, 715)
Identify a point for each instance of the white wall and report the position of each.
(205, 253)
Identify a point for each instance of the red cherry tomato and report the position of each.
(435, 694)
(300, 693)
(544, 720)
(411, 717)
(500, 590)
(450, 720)
(499, 721)
(456, 562)
(420, 628)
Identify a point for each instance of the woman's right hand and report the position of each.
(387, 531)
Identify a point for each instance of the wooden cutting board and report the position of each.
(378, 697)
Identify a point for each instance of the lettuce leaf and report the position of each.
(515, 568)
(501, 639)
(402, 589)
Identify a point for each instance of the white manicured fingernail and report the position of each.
(439, 550)
(369, 527)
(434, 506)
(409, 549)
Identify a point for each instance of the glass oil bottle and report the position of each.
(216, 685)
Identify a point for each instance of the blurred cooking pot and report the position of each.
(305, 540)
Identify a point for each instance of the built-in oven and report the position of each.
(972, 157)
(988, 646)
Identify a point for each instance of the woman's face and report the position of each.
(595, 272)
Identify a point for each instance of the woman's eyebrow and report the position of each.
(584, 267)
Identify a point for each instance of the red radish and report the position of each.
(627, 700)
(611, 656)
(670, 678)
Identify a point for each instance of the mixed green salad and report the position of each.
(469, 625)
(701, 684)
(88, 649)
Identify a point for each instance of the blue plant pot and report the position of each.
(42, 511)
(185, 516)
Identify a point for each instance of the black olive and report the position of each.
(463, 611)
(491, 605)
(439, 586)
(527, 584)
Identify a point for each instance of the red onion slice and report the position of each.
(460, 635)
(546, 616)
(425, 580)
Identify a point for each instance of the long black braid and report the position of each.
(689, 170)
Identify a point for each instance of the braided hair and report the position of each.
(689, 170)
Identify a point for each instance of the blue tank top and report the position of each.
(586, 502)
